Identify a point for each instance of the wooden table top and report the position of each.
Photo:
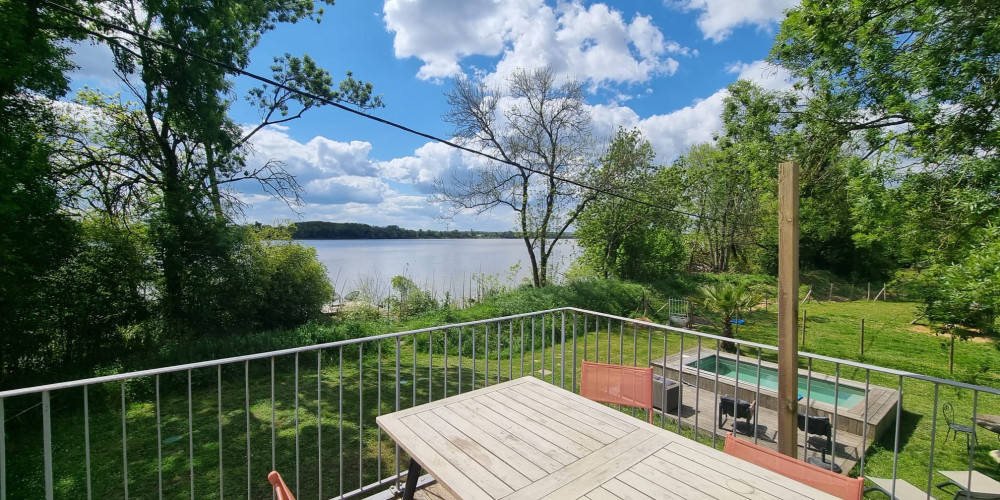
(528, 439)
(989, 422)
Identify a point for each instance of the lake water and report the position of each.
(439, 265)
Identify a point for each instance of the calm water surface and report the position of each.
(439, 265)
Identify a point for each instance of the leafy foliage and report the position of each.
(728, 300)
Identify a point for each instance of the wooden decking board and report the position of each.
(676, 465)
(622, 490)
(564, 442)
(583, 434)
(550, 449)
(570, 414)
(646, 478)
(528, 460)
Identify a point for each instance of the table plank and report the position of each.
(624, 491)
(539, 428)
(585, 435)
(525, 432)
(612, 426)
(522, 456)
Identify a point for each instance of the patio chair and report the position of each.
(904, 490)
(949, 417)
(982, 486)
(848, 488)
(819, 426)
(281, 490)
(616, 384)
(737, 409)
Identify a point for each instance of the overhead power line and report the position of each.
(362, 114)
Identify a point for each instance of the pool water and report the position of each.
(819, 390)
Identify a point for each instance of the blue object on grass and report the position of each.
(737, 321)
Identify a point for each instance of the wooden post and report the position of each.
(951, 353)
(862, 337)
(765, 302)
(850, 295)
(869, 292)
(803, 328)
(830, 299)
(788, 305)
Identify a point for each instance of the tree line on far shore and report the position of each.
(320, 230)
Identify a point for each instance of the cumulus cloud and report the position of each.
(595, 44)
(428, 163)
(318, 158)
(763, 73)
(718, 18)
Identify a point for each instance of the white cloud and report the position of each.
(763, 73)
(318, 158)
(719, 17)
(344, 189)
(594, 44)
(428, 163)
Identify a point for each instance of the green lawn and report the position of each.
(832, 329)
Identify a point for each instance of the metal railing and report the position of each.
(215, 428)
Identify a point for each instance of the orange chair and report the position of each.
(280, 488)
(625, 385)
(848, 488)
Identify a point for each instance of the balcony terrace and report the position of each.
(214, 429)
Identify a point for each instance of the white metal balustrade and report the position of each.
(214, 429)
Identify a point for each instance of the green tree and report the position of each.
(539, 125)
(728, 300)
(628, 239)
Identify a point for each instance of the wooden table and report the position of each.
(989, 422)
(528, 439)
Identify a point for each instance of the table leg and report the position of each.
(411, 480)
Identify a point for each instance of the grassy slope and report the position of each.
(832, 329)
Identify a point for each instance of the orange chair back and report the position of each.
(624, 385)
(848, 488)
(280, 488)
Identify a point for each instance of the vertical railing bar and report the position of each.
(553, 353)
(543, 347)
(609, 342)
(532, 346)
(621, 343)
(573, 374)
(86, 440)
(430, 366)
(461, 366)
(586, 333)
(736, 388)
(486, 356)
(246, 403)
(697, 391)
(124, 448)
(680, 380)
(396, 456)
(649, 348)
(715, 407)
(663, 401)
(445, 391)
(562, 355)
(340, 411)
(499, 350)
(972, 445)
(864, 426)
(473, 357)
(756, 408)
(522, 347)
(218, 380)
(895, 441)
(361, 417)
(510, 349)
(3, 447)
(635, 344)
(47, 442)
(413, 372)
(298, 481)
(159, 441)
(930, 465)
(274, 449)
(378, 408)
(319, 422)
(190, 436)
(836, 406)
(805, 434)
(597, 339)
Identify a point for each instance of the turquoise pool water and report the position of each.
(819, 390)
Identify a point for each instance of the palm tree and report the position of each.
(728, 299)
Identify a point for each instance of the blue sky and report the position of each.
(658, 65)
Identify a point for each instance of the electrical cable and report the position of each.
(360, 113)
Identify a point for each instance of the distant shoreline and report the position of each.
(320, 230)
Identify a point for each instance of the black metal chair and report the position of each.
(949, 417)
(819, 426)
(737, 409)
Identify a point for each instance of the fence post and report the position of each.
(951, 353)
(869, 292)
(850, 295)
(831, 293)
(803, 327)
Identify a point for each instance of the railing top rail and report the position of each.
(341, 343)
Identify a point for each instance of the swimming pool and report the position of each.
(819, 390)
